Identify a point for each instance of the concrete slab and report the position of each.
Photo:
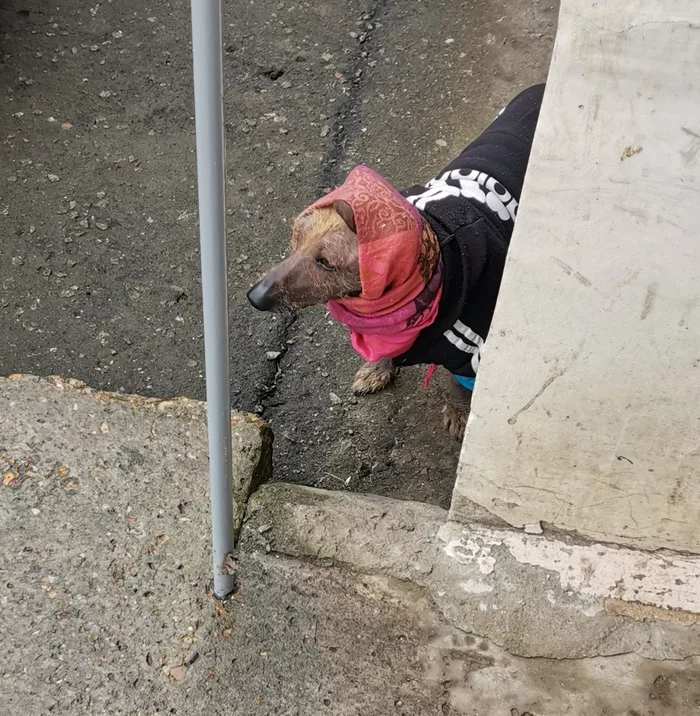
(66, 437)
(585, 417)
(342, 606)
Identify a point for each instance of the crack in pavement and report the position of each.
(330, 175)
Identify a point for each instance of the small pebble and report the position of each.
(335, 399)
(441, 142)
(177, 672)
(264, 528)
(273, 355)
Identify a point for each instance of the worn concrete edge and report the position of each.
(464, 510)
(533, 595)
(256, 453)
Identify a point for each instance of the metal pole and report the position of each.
(209, 117)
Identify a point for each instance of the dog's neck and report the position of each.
(388, 327)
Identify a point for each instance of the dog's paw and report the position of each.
(455, 420)
(373, 377)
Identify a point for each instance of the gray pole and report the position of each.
(209, 116)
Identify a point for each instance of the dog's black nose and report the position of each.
(262, 296)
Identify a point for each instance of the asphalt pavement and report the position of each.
(99, 262)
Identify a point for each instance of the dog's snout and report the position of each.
(262, 296)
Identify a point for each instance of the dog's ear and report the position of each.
(345, 211)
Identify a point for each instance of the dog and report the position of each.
(414, 274)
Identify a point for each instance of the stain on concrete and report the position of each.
(690, 152)
(629, 151)
(572, 272)
(649, 300)
(648, 612)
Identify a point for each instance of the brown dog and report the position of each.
(415, 274)
(323, 265)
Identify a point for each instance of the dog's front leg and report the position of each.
(456, 411)
(373, 377)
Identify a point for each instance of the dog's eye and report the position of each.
(323, 263)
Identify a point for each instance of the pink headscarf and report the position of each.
(400, 268)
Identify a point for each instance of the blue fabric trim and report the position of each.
(467, 383)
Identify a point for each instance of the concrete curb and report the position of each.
(530, 594)
(252, 437)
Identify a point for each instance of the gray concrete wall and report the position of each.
(587, 410)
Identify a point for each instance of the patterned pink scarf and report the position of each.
(400, 268)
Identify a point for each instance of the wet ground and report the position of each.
(99, 264)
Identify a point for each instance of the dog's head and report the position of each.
(322, 263)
